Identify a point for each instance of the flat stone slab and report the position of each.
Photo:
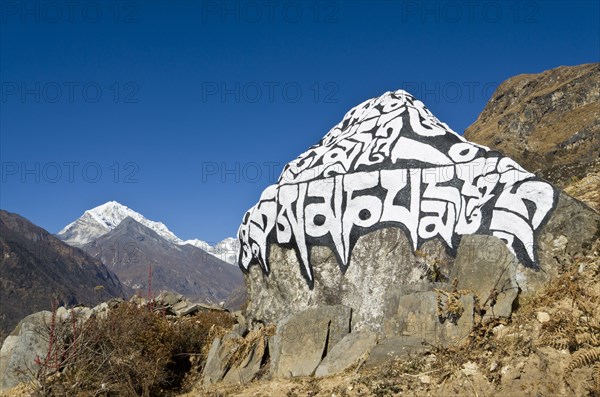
(394, 347)
(247, 370)
(303, 339)
(352, 348)
(218, 358)
(415, 317)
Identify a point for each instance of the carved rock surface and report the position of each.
(391, 197)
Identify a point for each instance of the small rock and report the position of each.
(470, 368)
(560, 243)
(543, 317)
(500, 331)
(493, 366)
(138, 300)
(425, 379)
(240, 329)
(192, 309)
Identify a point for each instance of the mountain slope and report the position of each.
(550, 124)
(131, 248)
(35, 266)
(104, 218)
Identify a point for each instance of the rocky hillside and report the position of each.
(36, 267)
(550, 124)
(131, 248)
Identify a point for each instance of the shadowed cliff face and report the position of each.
(36, 267)
(550, 124)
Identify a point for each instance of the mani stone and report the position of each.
(320, 237)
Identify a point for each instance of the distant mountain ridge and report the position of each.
(147, 262)
(36, 267)
(104, 218)
(226, 250)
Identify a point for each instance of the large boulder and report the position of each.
(21, 348)
(392, 202)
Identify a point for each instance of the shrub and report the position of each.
(130, 351)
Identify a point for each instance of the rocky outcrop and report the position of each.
(236, 358)
(175, 304)
(550, 124)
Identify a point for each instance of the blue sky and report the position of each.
(185, 111)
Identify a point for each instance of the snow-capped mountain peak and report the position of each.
(226, 250)
(104, 218)
(100, 220)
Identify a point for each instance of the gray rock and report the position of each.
(250, 365)
(485, 267)
(382, 259)
(239, 317)
(394, 347)
(138, 300)
(169, 298)
(302, 340)
(189, 310)
(240, 329)
(217, 361)
(20, 349)
(571, 229)
(383, 265)
(416, 319)
(179, 306)
(352, 348)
